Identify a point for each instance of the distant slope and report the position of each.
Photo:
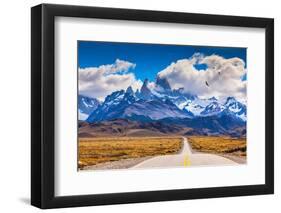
(86, 106)
(123, 104)
(168, 126)
(159, 109)
(161, 102)
(125, 127)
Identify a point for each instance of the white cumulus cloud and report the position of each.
(100, 81)
(222, 77)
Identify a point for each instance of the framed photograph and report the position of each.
(139, 106)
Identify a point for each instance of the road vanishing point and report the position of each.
(185, 158)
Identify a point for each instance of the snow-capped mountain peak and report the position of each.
(130, 90)
(86, 106)
(145, 92)
(212, 108)
(163, 83)
(236, 107)
(213, 99)
(193, 108)
(229, 101)
(162, 101)
(114, 98)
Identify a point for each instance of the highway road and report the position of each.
(185, 158)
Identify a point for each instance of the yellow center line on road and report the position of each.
(186, 161)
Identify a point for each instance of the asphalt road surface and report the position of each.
(185, 158)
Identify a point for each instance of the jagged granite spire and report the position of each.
(130, 90)
(145, 92)
(163, 82)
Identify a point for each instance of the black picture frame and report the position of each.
(43, 102)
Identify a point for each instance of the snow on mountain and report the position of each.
(193, 108)
(86, 106)
(153, 110)
(144, 106)
(82, 116)
(111, 101)
(212, 109)
(162, 102)
(237, 108)
(214, 106)
(198, 105)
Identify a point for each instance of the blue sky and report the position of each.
(149, 58)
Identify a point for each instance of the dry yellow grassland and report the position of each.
(93, 151)
(212, 144)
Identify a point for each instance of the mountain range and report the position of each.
(86, 106)
(165, 105)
